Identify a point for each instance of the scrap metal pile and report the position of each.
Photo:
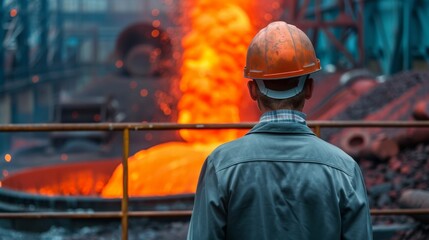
(393, 160)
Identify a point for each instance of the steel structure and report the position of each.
(387, 36)
(396, 35)
(335, 28)
(45, 36)
(49, 45)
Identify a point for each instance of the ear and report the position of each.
(309, 83)
(253, 89)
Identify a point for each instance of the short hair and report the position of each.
(294, 103)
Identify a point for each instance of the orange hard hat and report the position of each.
(278, 51)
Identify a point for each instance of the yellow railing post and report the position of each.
(124, 205)
(317, 130)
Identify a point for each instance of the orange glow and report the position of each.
(156, 23)
(144, 92)
(97, 118)
(212, 69)
(268, 17)
(64, 157)
(35, 79)
(275, 5)
(80, 183)
(211, 84)
(176, 55)
(13, 12)
(169, 168)
(155, 12)
(119, 64)
(8, 157)
(165, 108)
(155, 33)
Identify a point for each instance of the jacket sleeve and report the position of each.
(356, 218)
(208, 219)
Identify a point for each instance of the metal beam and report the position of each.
(172, 214)
(23, 50)
(176, 126)
(1, 44)
(333, 24)
(44, 31)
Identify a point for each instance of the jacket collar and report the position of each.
(281, 127)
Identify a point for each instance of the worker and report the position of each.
(280, 181)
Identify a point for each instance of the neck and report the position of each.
(263, 109)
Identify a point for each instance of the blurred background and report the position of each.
(103, 61)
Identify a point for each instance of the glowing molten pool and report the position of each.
(212, 85)
(165, 169)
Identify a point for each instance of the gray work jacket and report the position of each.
(280, 181)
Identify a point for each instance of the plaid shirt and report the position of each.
(283, 116)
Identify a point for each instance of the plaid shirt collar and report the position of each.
(283, 116)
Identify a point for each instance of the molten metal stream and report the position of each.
(212, 80)
(217, 34)
(211, 84)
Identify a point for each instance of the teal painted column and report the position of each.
(1, 48)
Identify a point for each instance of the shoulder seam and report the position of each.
(290, 161)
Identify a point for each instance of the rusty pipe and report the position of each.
(412, 136)
(416, 199)
(94, 215)
(173, 214)
(124, 201)
(408, 212)
(363, 144)
(176, 126)
(421, 110)
(354, 141)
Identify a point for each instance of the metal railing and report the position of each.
(124, 214)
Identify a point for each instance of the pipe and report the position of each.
(175, 126)
(363, 144)
(417, 199)
(408, 212)
(124, 202)
(354, 141)
(421, 110)
(99, 215)
(382, 148)
(412, 136)
(174, 214)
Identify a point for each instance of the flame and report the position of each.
(78, 183)
(211, 84)
(165, 169)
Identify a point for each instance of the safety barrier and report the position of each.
(124, 214)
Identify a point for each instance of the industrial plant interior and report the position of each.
(74, 63)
